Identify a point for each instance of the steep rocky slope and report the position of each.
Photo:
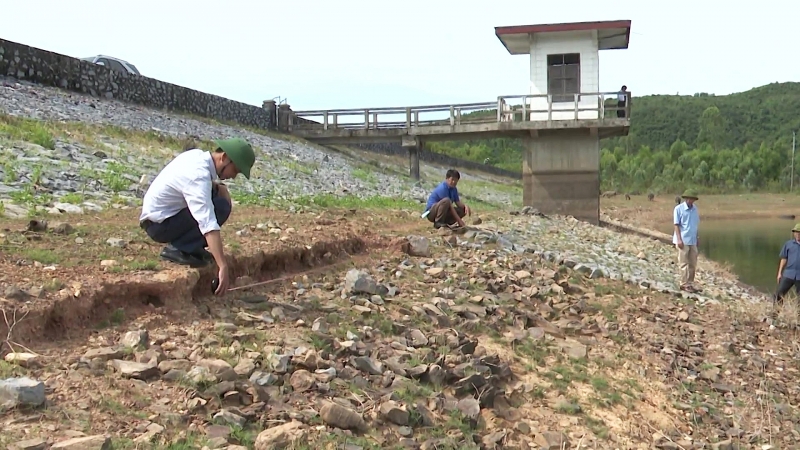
(81, 149)
(500, 337)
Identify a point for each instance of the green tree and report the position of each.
(712, 128)
(726, 143)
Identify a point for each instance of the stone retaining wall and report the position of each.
(53, 69)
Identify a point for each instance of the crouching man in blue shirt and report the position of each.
(444, 207)
(789, 266)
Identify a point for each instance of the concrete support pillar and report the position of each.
(284, 119)
(414, 146)
(561, 173)
(271, 107)
(413, 161)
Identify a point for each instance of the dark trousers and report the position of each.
(784, 286)
(182, 231)
(621, 110)
(440, 212)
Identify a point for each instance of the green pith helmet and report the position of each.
(796, 227)
(239, 152)
(690, 193)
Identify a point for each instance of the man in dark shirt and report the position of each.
(622, 98)
(444, 207)
(789, 266)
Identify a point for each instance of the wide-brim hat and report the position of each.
(690, 193)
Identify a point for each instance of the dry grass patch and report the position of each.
(44, 133)
(653, 215)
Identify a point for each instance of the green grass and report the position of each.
(305, 167)
(113, 178)
(26, 196)
(43, 256)
(352, 201)
(30, 130)
(142, 138)
(143, 265)
(363, 174)
(263, 198)
(8, 370)
(44, 133)
(73, 198)
(9, 171)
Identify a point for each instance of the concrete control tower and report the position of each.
(561, 164)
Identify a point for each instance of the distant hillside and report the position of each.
(763, 114)
(722, 143)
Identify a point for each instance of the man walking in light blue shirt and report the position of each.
(789, 266)
(686, 238)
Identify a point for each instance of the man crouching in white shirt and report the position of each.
(186, 204)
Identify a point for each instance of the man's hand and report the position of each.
(467, 211)
(224, 281)
(461, 223)
(680, 244)
(779, 278)
(214, 240)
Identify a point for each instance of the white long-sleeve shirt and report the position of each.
(185, 181)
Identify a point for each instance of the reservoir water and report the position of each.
(749, 246)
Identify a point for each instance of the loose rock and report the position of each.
(21, 392)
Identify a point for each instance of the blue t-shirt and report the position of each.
(442, 191)
(791, 252)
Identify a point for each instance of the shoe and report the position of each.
(172, 254)
(438, 225)
(204, 254)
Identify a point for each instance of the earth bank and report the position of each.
(523, 332)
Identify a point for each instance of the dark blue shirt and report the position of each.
(791, 252)
(442, 191)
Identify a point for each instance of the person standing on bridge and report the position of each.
(622, 99)
(186, 204)
(686, 237)
(444, 207)
(789, 266)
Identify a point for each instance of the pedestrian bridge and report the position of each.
(560, 138)
(508, 116)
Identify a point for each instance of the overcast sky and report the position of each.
(369, 53)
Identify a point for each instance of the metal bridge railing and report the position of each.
(507, 108)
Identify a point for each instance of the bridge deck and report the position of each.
(527, 114)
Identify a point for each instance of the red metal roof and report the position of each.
(613, 34)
